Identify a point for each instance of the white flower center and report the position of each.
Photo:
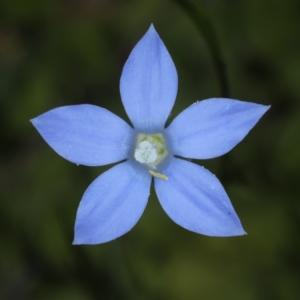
(145, 153)
(150, 149)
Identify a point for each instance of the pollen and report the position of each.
(145, 153)
(150, 149)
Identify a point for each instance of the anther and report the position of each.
(158, 175)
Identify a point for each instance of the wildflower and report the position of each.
(92, 136)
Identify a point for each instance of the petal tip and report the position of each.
(240, 232)
(33, 121)
(238, 229)
(82, 241)
(152, 27)
(267, 107)
(152, 31)
(229, 233)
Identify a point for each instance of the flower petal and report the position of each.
(149, 83)
(112, 204)
(85, 134)
(212, 127)
(195, 199)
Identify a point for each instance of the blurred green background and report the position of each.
(55, 53)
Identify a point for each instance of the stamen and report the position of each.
(158, 175)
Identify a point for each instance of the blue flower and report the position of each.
(92, 136)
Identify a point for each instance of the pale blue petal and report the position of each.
(212, 127)
(149, 83)
(195, 199)
(85, 134)
(112, 204)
